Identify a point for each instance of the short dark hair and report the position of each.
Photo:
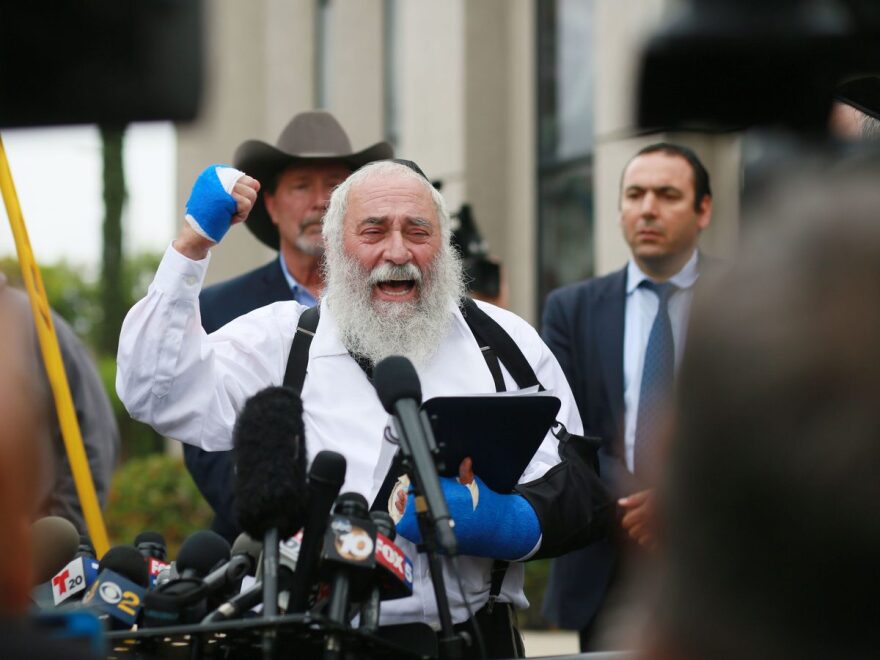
(772, 537)
(702, 188)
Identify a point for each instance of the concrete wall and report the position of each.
(622, 26)
(259, 70)
(463, 85)
(499, 139)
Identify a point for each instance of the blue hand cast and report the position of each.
(501, 526)
(210, 207)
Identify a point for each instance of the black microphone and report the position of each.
(119, 591)
(151, 544)
(348, 555)
(85, 549)
(270, 483)
(201, 553)
(400, 392)
(183, 599)
(370, 607)
(326, 477)
(127, 562)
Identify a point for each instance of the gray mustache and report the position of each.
(391, 272)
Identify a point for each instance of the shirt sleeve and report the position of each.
(185, 383)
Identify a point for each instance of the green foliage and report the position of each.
(77, 300)
(155, 493)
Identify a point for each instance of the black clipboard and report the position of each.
(499, 432)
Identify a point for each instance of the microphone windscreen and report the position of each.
(55, 542)
(270, 462)
(395, 378)
(127, 562)
(201, 552)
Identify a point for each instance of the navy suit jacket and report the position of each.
(583, 325)
(219, 304)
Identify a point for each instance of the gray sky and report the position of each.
(57, 174)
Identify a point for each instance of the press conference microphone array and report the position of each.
(394, 571)
(326, 476)
(270, 484)
(400, 392)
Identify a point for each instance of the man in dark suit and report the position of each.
(619, 339)
(311, 157)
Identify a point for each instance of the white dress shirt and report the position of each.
(190, 386)
(641, 309)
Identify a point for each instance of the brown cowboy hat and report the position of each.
(310, 137)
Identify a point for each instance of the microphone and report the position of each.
(182, 600)
(86, 549)
(400, 392)
(201, 553)
(55, 542)
(395, 576)
(270, 484)
(119, 591)
(348, 550)
(152, 544)
(326, 477)
(249, 547)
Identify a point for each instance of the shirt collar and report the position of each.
(683, 279)
(297, 290)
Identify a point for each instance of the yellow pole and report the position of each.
(73, 443)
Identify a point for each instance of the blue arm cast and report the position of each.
(500, 526)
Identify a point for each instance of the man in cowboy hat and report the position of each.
(311, 157)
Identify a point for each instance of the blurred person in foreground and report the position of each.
(97, 423)
(619, 339)
(394, 287)
(772, 535)
(23, 460)
(311, 157)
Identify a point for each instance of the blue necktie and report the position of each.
(657, 376)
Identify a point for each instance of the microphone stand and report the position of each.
(450, 644)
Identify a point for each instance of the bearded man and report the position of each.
(393, 287)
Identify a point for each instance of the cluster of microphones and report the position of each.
(306, 548)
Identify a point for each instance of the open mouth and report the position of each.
(396, 287)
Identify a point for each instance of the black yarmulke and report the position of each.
(270, 463)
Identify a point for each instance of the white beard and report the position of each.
(376, 329)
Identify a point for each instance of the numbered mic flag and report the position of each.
(73, 579)
(117, 596)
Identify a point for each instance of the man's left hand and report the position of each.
(638, 519)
